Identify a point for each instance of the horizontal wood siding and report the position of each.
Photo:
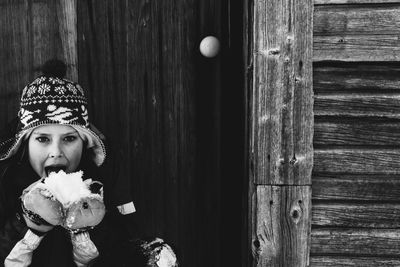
(356, 2)
(356, 32)
(379, 77)
(358, 105)
(355, 132)
(357, 161)
(356, 185)
(347, 261)
(363, 215)
(350, 242)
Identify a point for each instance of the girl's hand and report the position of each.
(41, 211)
(84, 214)
(41, 228)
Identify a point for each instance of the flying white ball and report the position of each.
(209, 46)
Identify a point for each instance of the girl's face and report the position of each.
(54, 147)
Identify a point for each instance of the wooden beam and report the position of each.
(282, 92)
(282, 225)
(281, 133)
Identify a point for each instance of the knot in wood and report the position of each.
(296, 212)
(274, 51)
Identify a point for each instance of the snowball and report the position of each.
(67, 188)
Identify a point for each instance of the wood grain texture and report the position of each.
(282, 225)
(354, 2)
(359, 187)
(358, 105)
(332, 261)
(377, 161)
(282, 92)
(45, 36)
(356, 20)
(356, 48)
(14, 55)
(356, 33)
(138, 60)
(281, 132)
(356, 77)
(361, 132)
(356, 215)
(29, 37)
(353, 242)
(67, 28)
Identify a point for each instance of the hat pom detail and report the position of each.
(54, 68)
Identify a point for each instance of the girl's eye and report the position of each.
(70, 138)
(42, 139)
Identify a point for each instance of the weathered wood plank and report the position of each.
(14, 56)
(350, 77)
(357, 132)
(352, 242)
(281, 132)
(356, 2)
(138, 62)
(45, 37)
(384, 161)
(282, 225)
(67, 26)
(356, 20)
(356, 187)
(282, 102)
(343, 261)
(356, 48)
(356, 215)
(354, 33)
(358, 105)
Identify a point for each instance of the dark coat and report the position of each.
(56, 249)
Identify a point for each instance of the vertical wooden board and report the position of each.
(67, 26)
(102, 42)
(283, 102)
(267, 98)
(213, 200)
(14, 55)
(46, 41)
(303, 118)
(136, 58)
(145, 52)
(281, 236)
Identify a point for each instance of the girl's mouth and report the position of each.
(54, 168)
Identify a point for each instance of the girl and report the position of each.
(52, 132)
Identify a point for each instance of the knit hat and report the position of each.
(52, 99)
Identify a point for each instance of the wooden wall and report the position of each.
(151, 93)
(355, 182)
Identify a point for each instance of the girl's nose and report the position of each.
(55, 150)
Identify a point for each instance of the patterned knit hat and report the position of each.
(52, 99)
